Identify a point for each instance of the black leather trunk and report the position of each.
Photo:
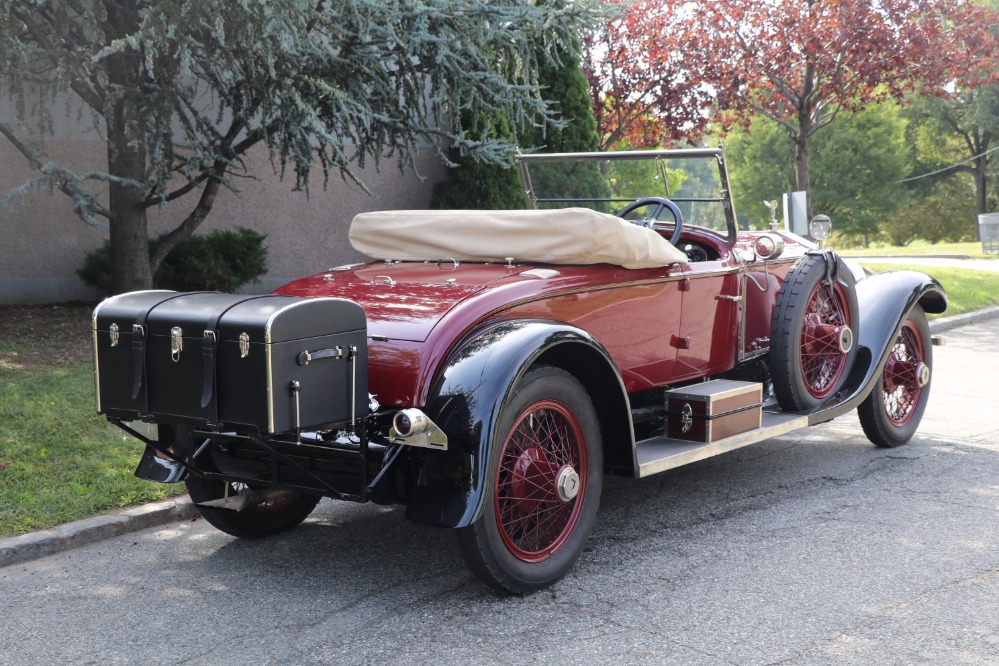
(226, 361)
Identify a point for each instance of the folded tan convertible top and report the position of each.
(562, 236)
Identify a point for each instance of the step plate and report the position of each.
(661, 453)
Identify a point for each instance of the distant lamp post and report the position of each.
(819, 228)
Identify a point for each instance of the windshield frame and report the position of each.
(524, 160)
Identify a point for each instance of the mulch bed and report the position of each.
(35, 336)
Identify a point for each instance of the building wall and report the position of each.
(42, 242)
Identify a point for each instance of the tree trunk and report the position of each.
(802, 176)
(130, 268)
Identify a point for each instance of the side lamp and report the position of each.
(819, 228)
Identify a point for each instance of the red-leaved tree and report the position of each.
(798, 62)
(645, 91)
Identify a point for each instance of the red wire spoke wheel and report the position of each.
(892, 411)
(271, 511)
(544, 490)
(826, 339)
(812, 333)
(905, 376)
(539, 487)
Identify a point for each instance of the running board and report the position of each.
(661, 453)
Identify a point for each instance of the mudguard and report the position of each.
(469, 397)
(884, 301)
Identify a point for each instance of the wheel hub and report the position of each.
(922, 375)
(532, 480)
(907, 374)
(566, 484)
(822, 338)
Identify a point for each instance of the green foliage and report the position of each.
(224, 260)
(857, 163)
(942, 211)
(329, 84)
(566, 86)
(473, 184)
(955, 138)
(478, 184)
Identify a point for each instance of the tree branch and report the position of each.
(187, 227)
(216, 170)
(37, 165)
(94, 98)
(764, 112)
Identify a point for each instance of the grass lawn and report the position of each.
(971, 250)
(967, 290)
(59, 461)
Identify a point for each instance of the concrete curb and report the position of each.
(874, 257)
(33, 545)
(966, 319)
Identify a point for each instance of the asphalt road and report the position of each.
(815, 548)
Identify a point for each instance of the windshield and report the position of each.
(695, 180)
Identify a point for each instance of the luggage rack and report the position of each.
(351, 451)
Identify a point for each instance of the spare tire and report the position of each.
(813, 332)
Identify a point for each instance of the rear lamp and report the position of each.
(409, 422)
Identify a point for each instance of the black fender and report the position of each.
(884, 301)
(468, 398)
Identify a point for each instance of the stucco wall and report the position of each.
(42, 242)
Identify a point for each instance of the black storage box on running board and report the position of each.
(272, 363)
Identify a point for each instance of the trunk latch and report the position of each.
(176, 343)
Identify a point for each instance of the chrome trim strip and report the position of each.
(620, 155)
(744, 313)
(270, 385)
(97, 367)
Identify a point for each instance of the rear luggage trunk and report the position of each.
(269, 363)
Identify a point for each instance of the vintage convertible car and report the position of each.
(490, 367)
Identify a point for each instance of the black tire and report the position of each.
(811, 325)
(892, 411)
(263, 518)
(531, 532)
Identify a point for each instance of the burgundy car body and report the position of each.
(457, 346)
(683, 320)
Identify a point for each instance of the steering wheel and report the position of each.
(661, 204)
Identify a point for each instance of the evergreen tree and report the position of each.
(474, 184)
(477, 184)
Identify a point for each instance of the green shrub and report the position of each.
(221, 261)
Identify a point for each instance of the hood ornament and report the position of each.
(772, 205)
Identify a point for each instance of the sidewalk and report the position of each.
(71, 535)
(945, 261)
